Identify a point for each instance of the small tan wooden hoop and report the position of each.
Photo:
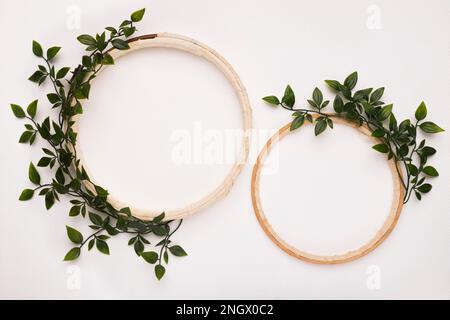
(380, 236)
(167, 40)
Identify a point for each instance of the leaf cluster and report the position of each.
(89, 201)
(398, 140)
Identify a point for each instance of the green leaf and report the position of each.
(58, 131)
(413, 169)
(345, 91)
(102, 246)
(78, 109)
(111, 230)
(74, 235)
(128, 31)
(159, 231)
(26, 194)
(53, 98)
(177, 251)
(126, 210)
(48, 152)
(421, 144)
(131, 241)
(428, 151)
(138, 15)
(18, 111)
(138, 247)
(103, 237)
(418, 195)
(298, 122)
(338, 104)
(91, 244)
(383, 148)
(125, 23)
(74, 211)
(101, 44)
(288, 97)
(62, 72)
(150, 256)
(33, 174)
(385, 112)
(72, 254)
(26, 136)
(86, 61)
(392, 123)
(49, 200)
(404, 125)
(59, 175)
(32, 108)
(329, 122)
(44, 161)
(351, 80)
(101, 193)
(52, 52)
(320, 127)
(351, 113)
(376, 95)
(378, 133)
(430, 127)
(95, 218)
(403, 150)
(108, 59)
(87, 40)
(37, 49)
(317, 96)
(272, 100)
(75, 184)
(36, 76)
(312, 104)
(112, 30)
(83, 91)
(120, 44)
(421, 111)
(362, 95)
(33, 137)
(425, 188)
(60, 188)
(159, 271)
(333, 84)
(430, 171)
(159, 218)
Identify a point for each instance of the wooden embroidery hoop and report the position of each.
(174, 41)
(380, 236)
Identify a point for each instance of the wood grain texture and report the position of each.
(178, 42)
(380, 236)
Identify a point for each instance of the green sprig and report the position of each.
(399, 141)
(89, 201)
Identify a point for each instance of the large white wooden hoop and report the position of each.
(174, 41)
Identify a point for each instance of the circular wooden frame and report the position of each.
(174, 41)
(380, 236)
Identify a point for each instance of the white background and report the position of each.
(328, 194)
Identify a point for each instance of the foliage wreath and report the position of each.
(70, 178)
(364, 110)
(399, 141)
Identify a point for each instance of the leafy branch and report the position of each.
(399, 141)
(70, 179)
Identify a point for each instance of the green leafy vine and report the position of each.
(398, 140)
(70, 178)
